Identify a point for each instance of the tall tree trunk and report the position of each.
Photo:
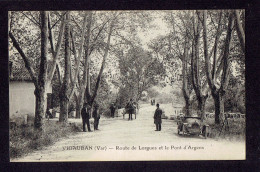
(84, 93)
(201, 106)
(42, 78)
(219, 107)
(79, 55)
(80, 101)
(226, 67)
(93, 97)
(78, 106)
(187, 106)
(63, 107)
(218, 93)
(87, 91)
(240, 30)
(86, 75)
(185, 90)
(55, 51)
(64, 99)
(39, 108)
(195, 65)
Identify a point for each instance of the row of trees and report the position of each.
(66, 48)
(207, 44)
(71, 50)
(75, 47)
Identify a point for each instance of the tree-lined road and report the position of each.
(117, 136)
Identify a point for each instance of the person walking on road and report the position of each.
(96, 117)
(158, 117)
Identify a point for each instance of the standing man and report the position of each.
(112, 109)
(84, 116)
(158, 118)
(96, 117)
(88, 117)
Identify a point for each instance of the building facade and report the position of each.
(21, 91)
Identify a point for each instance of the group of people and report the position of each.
(86, 114)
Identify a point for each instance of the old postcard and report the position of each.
(127, 85)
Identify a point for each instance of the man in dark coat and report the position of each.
(112, 109)
(85, 114)
(88, 117)
(158, 118)
(96, 117)
(130, 109)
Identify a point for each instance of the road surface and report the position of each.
(120, 140)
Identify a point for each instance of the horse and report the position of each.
(126, 110)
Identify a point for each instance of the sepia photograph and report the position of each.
(127, 85)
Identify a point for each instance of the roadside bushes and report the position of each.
(235, 130)
(24, 139)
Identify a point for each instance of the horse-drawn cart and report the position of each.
(128, 110)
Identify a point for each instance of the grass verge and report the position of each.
(235, 130)
(24, 139)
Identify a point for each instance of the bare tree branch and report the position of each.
(218, 33)
(77, 57)
(56, 51)
(34, 22)
(25, 59)
(104, 60)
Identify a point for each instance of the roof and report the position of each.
(19, 73)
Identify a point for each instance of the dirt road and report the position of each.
(119, 139)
